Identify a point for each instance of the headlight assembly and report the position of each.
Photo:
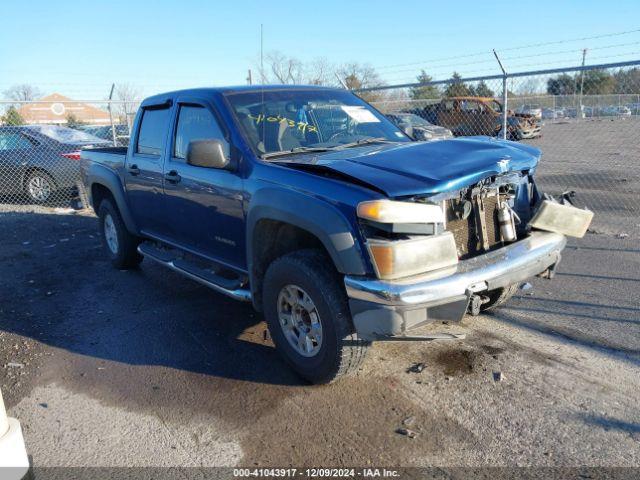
(403, 258)
(389, 211)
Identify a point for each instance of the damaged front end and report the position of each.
(491, 236)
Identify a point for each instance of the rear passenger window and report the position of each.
(195, 123)
(153, 131)
(14, 141)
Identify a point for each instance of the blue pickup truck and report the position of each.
(311, 204)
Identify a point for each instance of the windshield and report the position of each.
(414, 119)
(495, 106)
(65, 135)
(297, 120)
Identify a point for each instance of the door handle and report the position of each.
(172, 177)
(133, 170)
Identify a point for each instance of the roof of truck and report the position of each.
(163, 97)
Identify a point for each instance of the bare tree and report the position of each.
(280, 68)
(320, 72)
(22, 93)
(130, 97)
(356, 76)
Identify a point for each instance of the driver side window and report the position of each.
(195, 123)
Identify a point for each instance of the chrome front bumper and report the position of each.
(388, 308)
(506, 266)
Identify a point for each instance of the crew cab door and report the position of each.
(203, 204)
(143, 170)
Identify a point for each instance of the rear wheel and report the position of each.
(308, 316)
(39, 186)
(120, 245)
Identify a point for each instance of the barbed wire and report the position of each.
(521, 47)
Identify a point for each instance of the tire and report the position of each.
(499, 296)
(293, 280)
(39, 186)
(120, 245)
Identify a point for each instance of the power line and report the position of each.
(522, 47)
(518, 66)
(548, 53)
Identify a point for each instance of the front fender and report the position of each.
(322, 219)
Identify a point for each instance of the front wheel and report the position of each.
(308, 316)
(499, 296)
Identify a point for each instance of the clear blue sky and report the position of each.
(79, 47)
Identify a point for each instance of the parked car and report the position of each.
(622, 111)
(533, 110)
(634, 108)
(467, 116)
(418, 128)
(552, 113)
(332, 222)
(105, 132)
(41, 160)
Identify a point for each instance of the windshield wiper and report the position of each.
(294, 150)
(357, 143)
(363, 141)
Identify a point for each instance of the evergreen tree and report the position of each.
(457, 88)
(428, 91)
(12, 117)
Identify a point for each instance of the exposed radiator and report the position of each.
(463, 220)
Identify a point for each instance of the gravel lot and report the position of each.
(145, 368)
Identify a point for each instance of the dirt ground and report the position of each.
(146, 368)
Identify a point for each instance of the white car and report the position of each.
(14, 462)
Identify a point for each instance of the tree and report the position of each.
(356, 76)
(22, 93)
(73, 121)
(483, 90)
(12, 117)
(280, 68)
(563, 84)
(457, 88)
(320, 72)
(597, 82)
(427, 91)
(627, 81)
(130, 97)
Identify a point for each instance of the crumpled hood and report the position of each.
(418, 168)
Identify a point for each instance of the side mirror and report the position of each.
(407, 128)
(207, 153)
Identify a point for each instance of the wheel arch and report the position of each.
(282, 221)
(105, 183)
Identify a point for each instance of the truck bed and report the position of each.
(111, 156)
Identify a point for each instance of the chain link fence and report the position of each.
(40, 144)
(586, 122)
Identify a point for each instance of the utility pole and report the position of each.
(505, 98)
(584, 55)
(113, 128)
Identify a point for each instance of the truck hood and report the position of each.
(419, 168)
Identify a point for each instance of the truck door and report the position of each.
(204, 205)
(143, 170)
